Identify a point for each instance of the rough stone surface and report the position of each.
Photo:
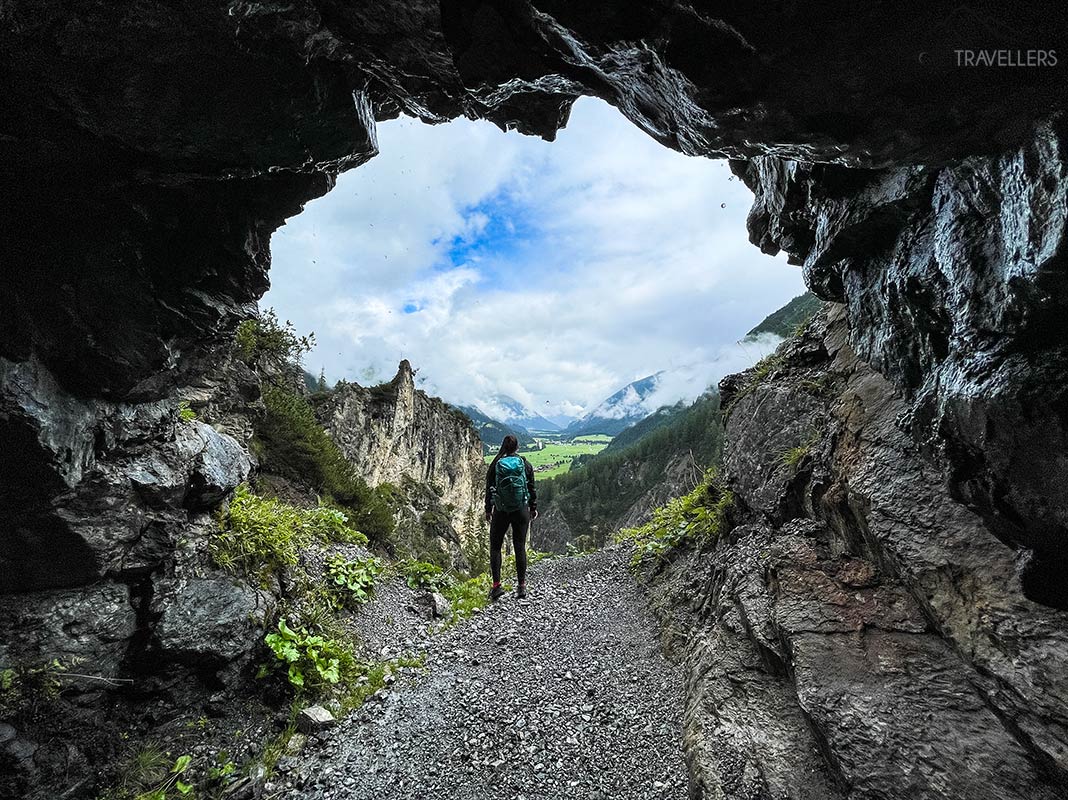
(562, 695)
(151, 150)
(208, 621)
(395, 433)
(953, 279)
(314, 719)
(220, 465)
(860, 634)
(142, 197)
(439, 606)
(90, 626)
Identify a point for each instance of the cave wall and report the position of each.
(954, 280)
(858, 632)
(151, 150)
(148, 152)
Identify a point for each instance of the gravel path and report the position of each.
(562, 695)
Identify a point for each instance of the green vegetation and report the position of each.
(696, 518)
(793, 457)
(149, 773)
(372, 678)
(294, 445)
(263, 340)
(423, 575)
(311, 660)
(465, 595)
(24, 686)
(557, 457)
(786, 320)
(185, 413)
(260, 536)
(354, 580)
(597, 493)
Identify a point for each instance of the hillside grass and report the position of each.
(555, 458)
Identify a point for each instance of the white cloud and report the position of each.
(553, 273)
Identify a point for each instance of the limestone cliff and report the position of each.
(395, 432)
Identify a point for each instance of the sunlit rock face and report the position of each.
(396, 434)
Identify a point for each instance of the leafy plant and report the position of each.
(185, 413)
(311, 660)
(332, 525)
(424, 575)
(697, 517)
(353, 579)
(264, 340)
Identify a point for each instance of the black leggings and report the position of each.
(499, 522)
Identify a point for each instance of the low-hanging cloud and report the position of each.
(551, 273)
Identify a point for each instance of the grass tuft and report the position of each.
(698, 518)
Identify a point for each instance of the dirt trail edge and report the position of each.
(562, 695)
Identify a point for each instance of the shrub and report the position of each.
(264, 340)
(312, 661)
(353, 580)
(261, 536)
(423, 575)
(295, 446)
(185, 413)
(697, 517)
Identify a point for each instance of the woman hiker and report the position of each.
(510, 501)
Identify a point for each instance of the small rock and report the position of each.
(439, 605)
(314, 719)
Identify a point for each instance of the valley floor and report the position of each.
(563, 695)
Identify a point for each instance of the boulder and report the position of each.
(314, 719)
(208, 621)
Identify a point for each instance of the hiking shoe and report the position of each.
(495, 592)
(521, 592)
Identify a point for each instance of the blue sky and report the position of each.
(551, 272)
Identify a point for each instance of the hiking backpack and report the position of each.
(512, 493)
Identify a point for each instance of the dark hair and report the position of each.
(508, 446)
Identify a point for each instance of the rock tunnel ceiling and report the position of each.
(150, 151)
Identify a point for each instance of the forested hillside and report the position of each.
(621, 485)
